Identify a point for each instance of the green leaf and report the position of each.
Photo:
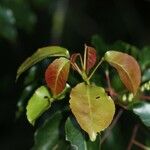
(92, 107)
(38, 103)
(7, 22)
(127, 67)
(47, 137)
(142, 109)
(40, 54)
(146, 75)
(76, 137)
(56, 75)
(25, 95)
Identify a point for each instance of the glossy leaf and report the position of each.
(40, 54)
(38, 103)
(56, 75)
(92, 107)
(76, 137)
(127, 67)
(91, 58)
(47, 137)
(142, 109)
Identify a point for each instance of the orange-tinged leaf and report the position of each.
(92, 107)
(127, 67)
(56, 75)
(91, 57)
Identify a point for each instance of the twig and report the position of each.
(140, 145)
(100, 62)
(111, 91)
(111, 126)
(145, 97)
(133, 136)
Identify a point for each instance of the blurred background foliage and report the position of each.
(26, 25)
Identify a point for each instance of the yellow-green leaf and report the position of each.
(40, 54)
(92, 107)
(38, 104)
(127, 67)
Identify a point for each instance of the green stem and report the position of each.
(96, 68)
(85, 57)
(85, 78)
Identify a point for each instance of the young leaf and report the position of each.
(91, 58)
(142, 109)
(127, 67)
(92, 107)
(40, 54)
(47, 137)
(38, 103)
(73, 59)
(56, 75)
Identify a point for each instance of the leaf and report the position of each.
(99, 44)
(91, 58)
(73, 59)
(38, 104)
(40, 54)
(7, 24)
(56, 75)
(92, 107)
(25, 95)
(76, 138)
(142, 109)
(127, 67)
(47, 137)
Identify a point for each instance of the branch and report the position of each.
(140, 145)
(111, 126)
(133, 136)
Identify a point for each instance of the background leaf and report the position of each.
(56, 75)
(92, 107)
(48, 136)
(142, 109)
(77, 138)
(41, 54)
(38, 103)
(127, 67)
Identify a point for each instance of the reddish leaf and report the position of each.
(91, 58)
(73, 58)
(127, 67)
(56, 75)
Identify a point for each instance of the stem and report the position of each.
(140, 145)
(112, 126)
(133, 137)
(77, 68)
(96, 68)
(85, 57)
(82, 65)
(145, 97)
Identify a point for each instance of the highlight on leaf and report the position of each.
(40, 54)
(91, 58)
(38, 104)
(92, 107)
(127, 67)
(56, 75)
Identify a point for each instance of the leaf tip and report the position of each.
(93, 136)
